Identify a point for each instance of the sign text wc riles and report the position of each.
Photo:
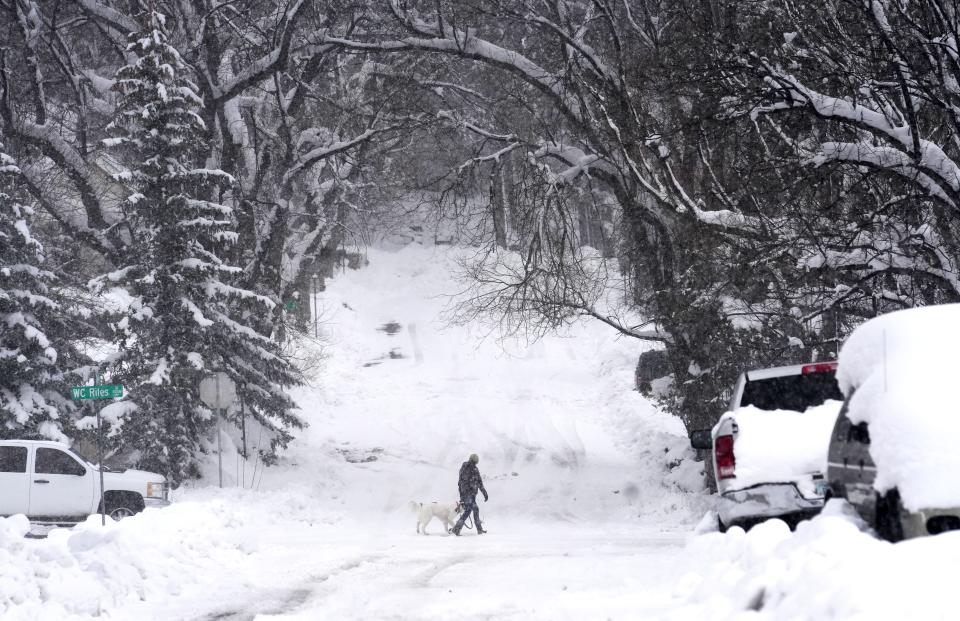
(105, 391)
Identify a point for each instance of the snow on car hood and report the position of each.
(902, 371)
(777, 446)
(134, 476)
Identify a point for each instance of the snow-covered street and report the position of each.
(535, 571)
(233, 558)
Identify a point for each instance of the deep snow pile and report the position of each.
(161, 554)
(829, 569)
(782, 445)
(901, 369)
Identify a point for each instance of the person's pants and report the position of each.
(468, 506)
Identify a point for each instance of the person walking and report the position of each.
(469, 483)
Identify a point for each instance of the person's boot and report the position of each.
(456, 529)
(480, 530)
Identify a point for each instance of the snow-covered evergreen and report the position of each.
(187, 314)
(35, 353)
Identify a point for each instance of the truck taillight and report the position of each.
(820, 367)
(157, 490)
(723, 451)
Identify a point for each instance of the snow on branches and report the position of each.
(35, 349)
(189, 315)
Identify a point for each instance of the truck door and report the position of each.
(60, 486)
(14, 480)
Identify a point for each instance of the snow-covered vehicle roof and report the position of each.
(56, 443)
(901, 370)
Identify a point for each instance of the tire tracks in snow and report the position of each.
(382, 587)
(283, 601)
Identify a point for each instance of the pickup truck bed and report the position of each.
(768, 452)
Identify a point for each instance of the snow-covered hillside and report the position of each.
(559, 432)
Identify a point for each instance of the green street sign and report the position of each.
(290, 305)
(106, 391)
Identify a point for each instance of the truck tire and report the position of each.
(887, 520)
(120, 505)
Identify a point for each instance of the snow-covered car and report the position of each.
(893, 452)
(769, 449)
(47, 481)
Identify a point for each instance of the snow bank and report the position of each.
(782, 445)
(161, 553)
(658, 440)
(901, 369)
(829, 569)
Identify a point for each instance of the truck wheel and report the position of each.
(119, 513)
(123, 505)
(887, 520)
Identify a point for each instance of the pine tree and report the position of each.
(36, 344)
(187, 316)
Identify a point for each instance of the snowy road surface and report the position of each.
(242, 557)
(550, 573)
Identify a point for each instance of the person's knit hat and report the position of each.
(474, 458)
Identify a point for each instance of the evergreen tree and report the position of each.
(187, 316)
(36, 344)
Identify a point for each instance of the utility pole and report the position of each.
(316, 312)
(218, 392)
(221, 413)
(243, 427)
(219, 449)
(96, 406)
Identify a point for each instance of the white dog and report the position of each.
(445, 512)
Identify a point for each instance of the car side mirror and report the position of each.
(701, 439)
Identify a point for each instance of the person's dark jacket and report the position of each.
(470, 482)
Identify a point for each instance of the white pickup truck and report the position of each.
(49, 482)
(768, 452)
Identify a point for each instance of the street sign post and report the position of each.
(107, 391)
(218, 392)
(96, 393)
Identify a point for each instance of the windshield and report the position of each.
(792, 392)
